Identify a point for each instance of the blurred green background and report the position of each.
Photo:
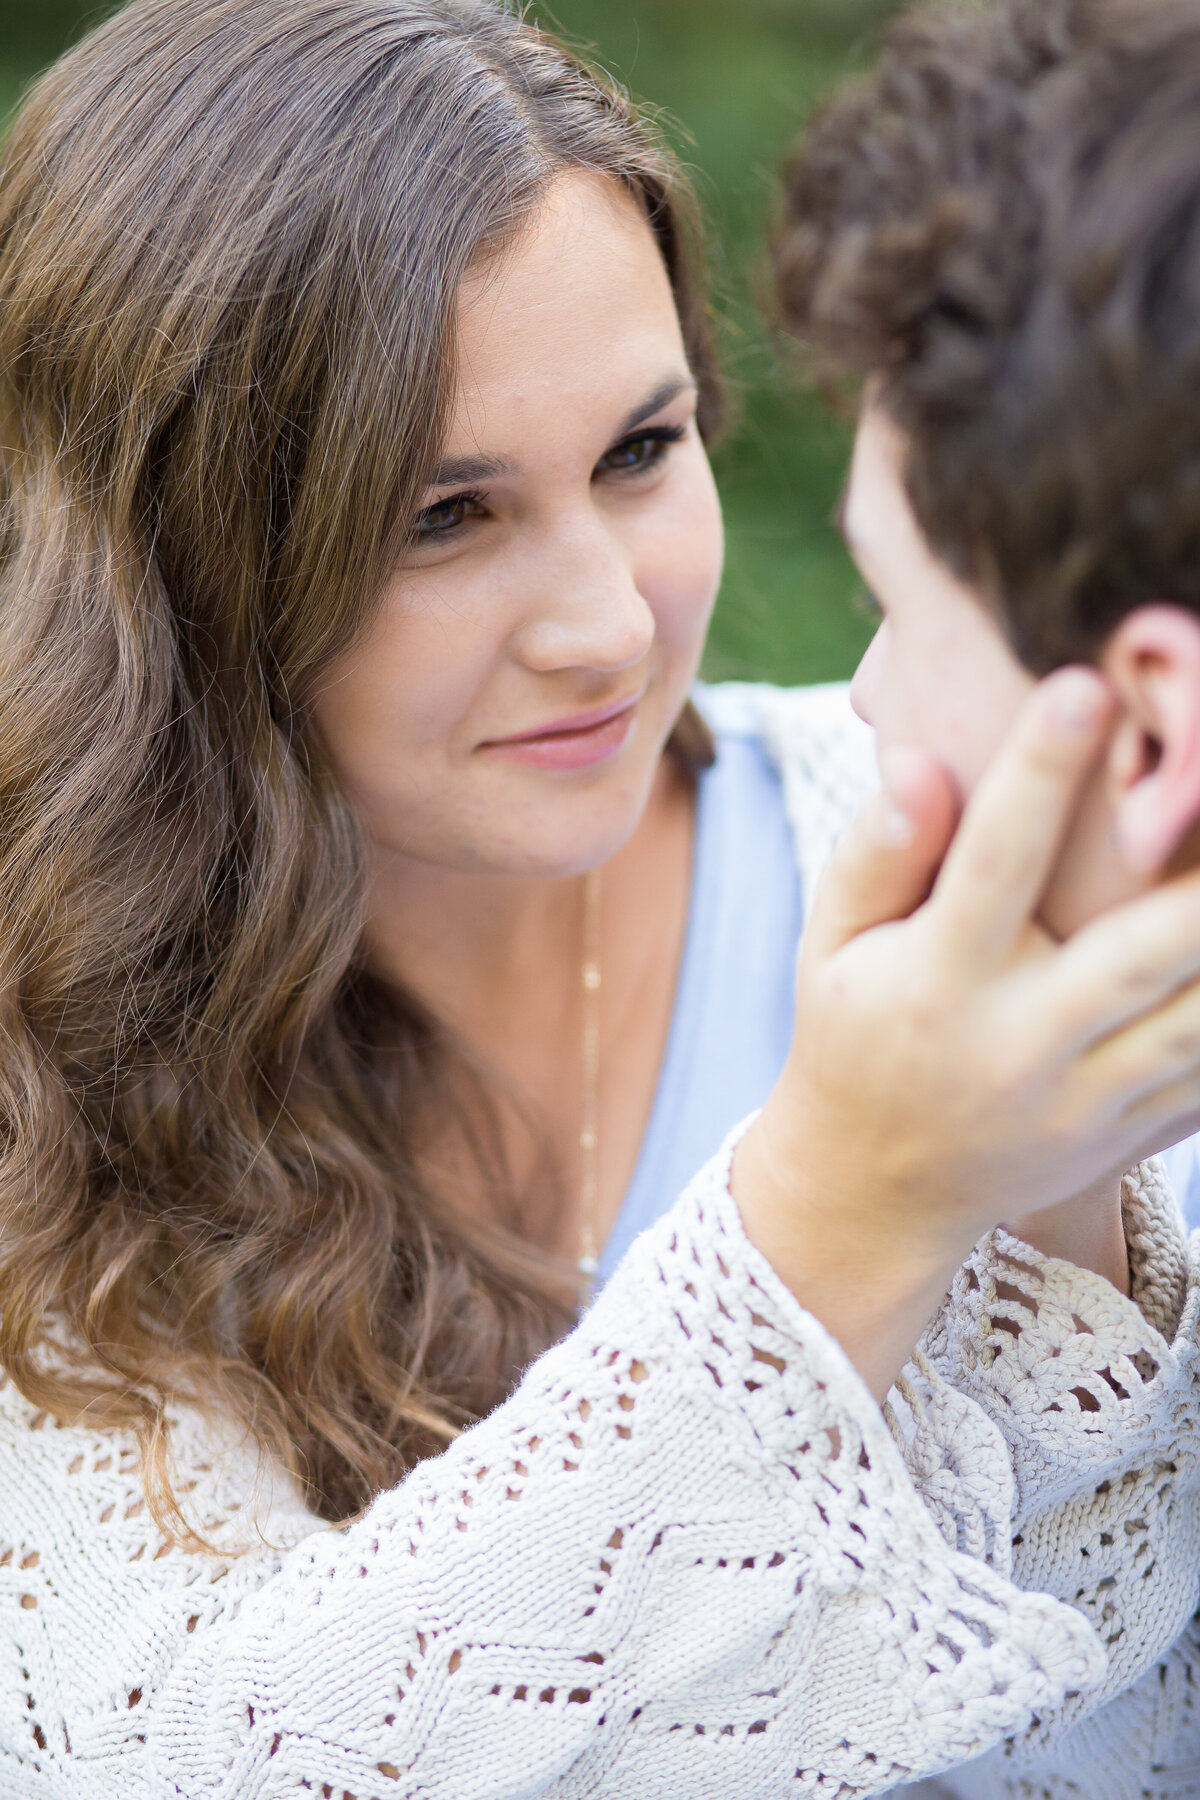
(735, 80)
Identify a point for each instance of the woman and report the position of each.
(360, 544)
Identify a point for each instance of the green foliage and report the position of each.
(735, 80)
(32, 34)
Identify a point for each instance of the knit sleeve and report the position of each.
(685, 1558)
(1094, 1398)
(1143, 1744)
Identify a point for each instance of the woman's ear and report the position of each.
(1153, 662)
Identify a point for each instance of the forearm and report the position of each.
(876, 1295)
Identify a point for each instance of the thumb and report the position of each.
(885, 866)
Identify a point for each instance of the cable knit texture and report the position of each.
(687, 1558)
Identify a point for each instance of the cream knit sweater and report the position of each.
(687, 1558)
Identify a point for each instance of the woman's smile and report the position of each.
(573, 742)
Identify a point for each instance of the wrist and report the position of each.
(868, 1279)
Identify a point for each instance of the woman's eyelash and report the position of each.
(654, 434)
(423, 525)
(660, 434)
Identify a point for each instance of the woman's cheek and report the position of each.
(681, 574)
(682, 602)
(398, 694)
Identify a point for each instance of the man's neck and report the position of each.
(1087, 1230)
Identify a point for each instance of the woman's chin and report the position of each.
(522, 822)
(558, 861)
(562, 831)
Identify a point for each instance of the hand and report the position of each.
(952, 1065)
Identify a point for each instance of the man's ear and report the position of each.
(1153, 661)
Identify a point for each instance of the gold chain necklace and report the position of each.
(589, 1123)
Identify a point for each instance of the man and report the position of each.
(997, 240)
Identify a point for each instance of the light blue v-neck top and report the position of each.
(1183, 1167)
(734, 1002)
(732, 1021)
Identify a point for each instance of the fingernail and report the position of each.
(891, 824)
(1078, 701)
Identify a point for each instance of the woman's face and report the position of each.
(507, 709)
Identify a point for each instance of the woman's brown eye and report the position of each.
(443, 517)
(636, 455)
(446, 516)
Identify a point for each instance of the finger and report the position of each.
(1166, 1121)
(1123, 966)
(1014, 826)
(1159, 1119)
(1158, 1053)
(885, 865)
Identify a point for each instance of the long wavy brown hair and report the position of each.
(232, 233)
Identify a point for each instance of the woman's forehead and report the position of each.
(577, 315)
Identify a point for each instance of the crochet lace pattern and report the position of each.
(1095, 1398)
(685, 1559)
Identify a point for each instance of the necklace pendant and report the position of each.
(589, 1252)
(588, 1262)
(587, 1267)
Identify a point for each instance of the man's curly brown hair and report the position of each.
(1000, 229)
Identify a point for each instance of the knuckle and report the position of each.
(1043, 762)
(1006, 1067)
(989, 864)
(928, 1009)
(1005, 1079)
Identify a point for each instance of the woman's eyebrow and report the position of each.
(462, 471)
(662, 396)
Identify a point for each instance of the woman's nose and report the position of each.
(589, 611)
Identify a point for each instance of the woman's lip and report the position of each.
(570, 743)
(567, 727)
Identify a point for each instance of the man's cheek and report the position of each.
(869, 677)
(909, 710)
